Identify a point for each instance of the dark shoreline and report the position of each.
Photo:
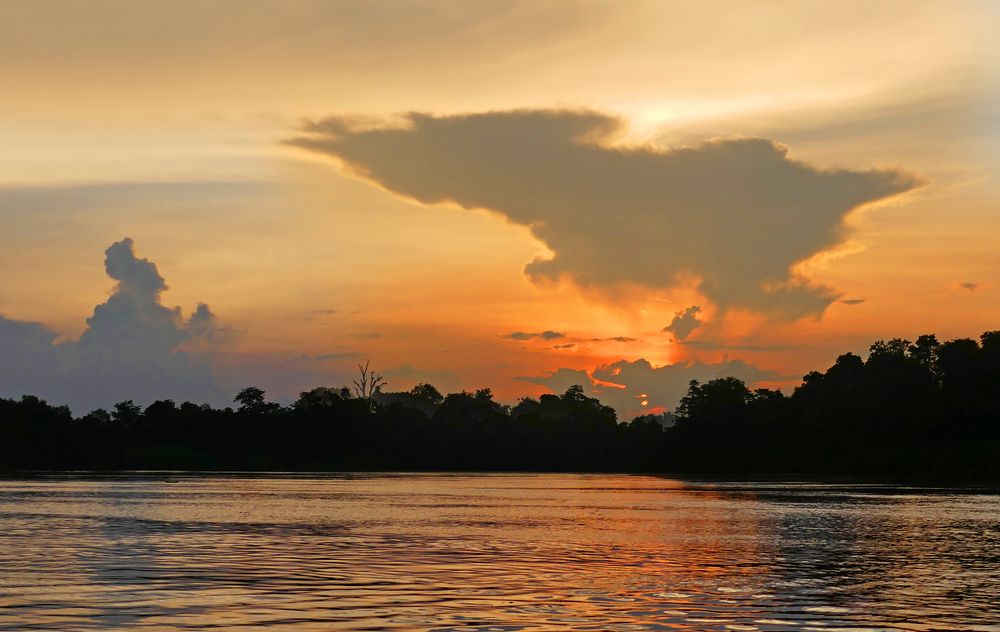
(693, 480)
(925, 412)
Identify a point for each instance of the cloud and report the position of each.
(326, 357)
(543, 335)
(732, 216)
(132, 347)
(853, 301)
(29, 356)
(337, 356)
(715, 346)
(624, 385)
(406, 376)
(684, 323)
(615, 339)
(568, 345)
(972, 287)
(560, 379)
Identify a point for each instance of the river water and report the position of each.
(492, 552)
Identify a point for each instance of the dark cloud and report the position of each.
(615, 339)
(684, 323)
(624, 385)
(853, 301)
(968, 285)
(733, 216)
(131, 348)
(543, 335)
(568, 345)
(326, 357)
(29, 356)
(560, 379)
(337, 356)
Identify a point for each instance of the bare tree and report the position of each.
(369, 382)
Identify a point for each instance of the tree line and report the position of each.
(910, 410)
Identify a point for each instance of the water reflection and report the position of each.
(493, 552)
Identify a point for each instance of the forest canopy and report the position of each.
(911, 410)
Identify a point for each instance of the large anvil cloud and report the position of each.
(734, 216)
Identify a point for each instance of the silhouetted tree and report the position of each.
(253, 400)
(126, 413)
(368, 383)
(924, 349)
(427, 393)
(320, 397)
(909, 410)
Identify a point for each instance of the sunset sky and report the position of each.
(519, 195)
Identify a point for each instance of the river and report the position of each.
(180, 551)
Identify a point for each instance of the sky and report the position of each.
(200, 196)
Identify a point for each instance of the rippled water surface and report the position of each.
(494, 552)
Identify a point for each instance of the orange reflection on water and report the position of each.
(526, 552)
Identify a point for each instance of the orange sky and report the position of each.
(168, 122)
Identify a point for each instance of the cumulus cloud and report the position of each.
(542, 335)
(624, 385)
(28, 356)
(131, 349)
(684, 323)
(733, 217)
